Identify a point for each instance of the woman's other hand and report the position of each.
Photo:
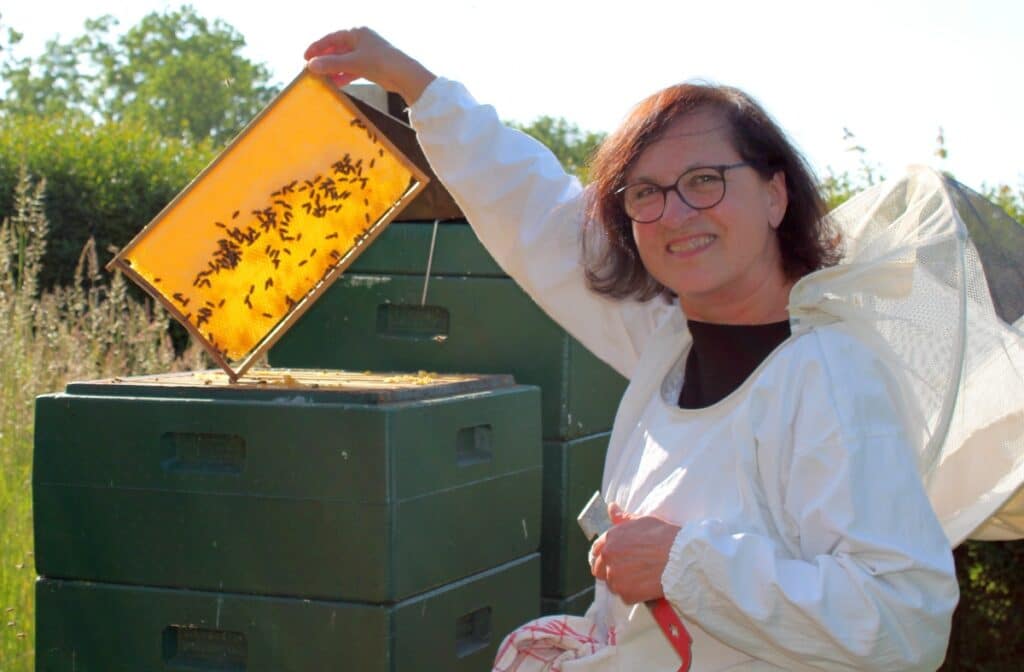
(631, 557)
(347, 55)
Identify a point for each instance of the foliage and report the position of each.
(105, 181)
(88, 329)
(572, 146)
(48, 85)
(1009, 199)
(988, 627)
(174, 72)
(120, 125)
(837, 188)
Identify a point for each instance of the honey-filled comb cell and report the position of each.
(248, 246)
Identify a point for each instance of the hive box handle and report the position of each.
(473, 445)
(472, 632)
(190, 648)
(202, 452)
(411, 322)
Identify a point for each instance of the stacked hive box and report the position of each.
(474, 318)
(288, 524)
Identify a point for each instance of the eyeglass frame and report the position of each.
(720, 169)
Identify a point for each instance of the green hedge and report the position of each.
(988, 627)
(102, 180)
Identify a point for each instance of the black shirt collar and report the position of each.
(723, 356)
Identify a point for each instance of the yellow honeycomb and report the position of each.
(248, 246)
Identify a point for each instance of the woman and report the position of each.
(762, 481)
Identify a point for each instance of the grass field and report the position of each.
(91, 329)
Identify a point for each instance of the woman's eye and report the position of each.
(643, 191)
(703, 179)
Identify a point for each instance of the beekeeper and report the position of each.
(765, 466)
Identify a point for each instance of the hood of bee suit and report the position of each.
(932, 277)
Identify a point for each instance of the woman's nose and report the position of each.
(676, 210)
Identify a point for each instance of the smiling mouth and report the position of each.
(691, 244)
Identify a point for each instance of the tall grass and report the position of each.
(90, 329)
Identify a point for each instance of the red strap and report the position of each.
(675, 631)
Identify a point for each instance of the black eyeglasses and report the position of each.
(700, 188)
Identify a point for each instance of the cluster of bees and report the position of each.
(274, 235)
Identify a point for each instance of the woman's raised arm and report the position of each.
(522, 205)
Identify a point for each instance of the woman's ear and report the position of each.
(778, 199)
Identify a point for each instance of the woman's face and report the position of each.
(723, 257)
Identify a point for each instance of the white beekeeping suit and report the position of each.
(847, 568)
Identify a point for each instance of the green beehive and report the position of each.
(572, 473)
(314, 484)
(95, 627)
(474, 318)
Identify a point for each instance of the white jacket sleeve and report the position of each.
(529, 215)
(859, 574)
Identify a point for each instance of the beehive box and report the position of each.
(474, 318)
(572, 473)
(320, 485)
(576, 605)
(103, 627)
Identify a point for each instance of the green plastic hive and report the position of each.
(288, 490)
(97, 627)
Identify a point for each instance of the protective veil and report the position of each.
(934, 276)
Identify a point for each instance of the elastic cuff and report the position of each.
(683, 555)
(436, 100)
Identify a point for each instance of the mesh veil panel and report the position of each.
(999, 240)
(932, 277)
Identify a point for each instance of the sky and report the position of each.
(891, 72)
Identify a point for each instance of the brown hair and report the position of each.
(614, 267)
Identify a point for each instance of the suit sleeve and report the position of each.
(529, 214)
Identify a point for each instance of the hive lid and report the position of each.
(252, 242)
(307, 385)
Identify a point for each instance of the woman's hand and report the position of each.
(347, 55)
(631, 557)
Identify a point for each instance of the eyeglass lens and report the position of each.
(700, 188)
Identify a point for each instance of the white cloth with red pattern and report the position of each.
(546, 644)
